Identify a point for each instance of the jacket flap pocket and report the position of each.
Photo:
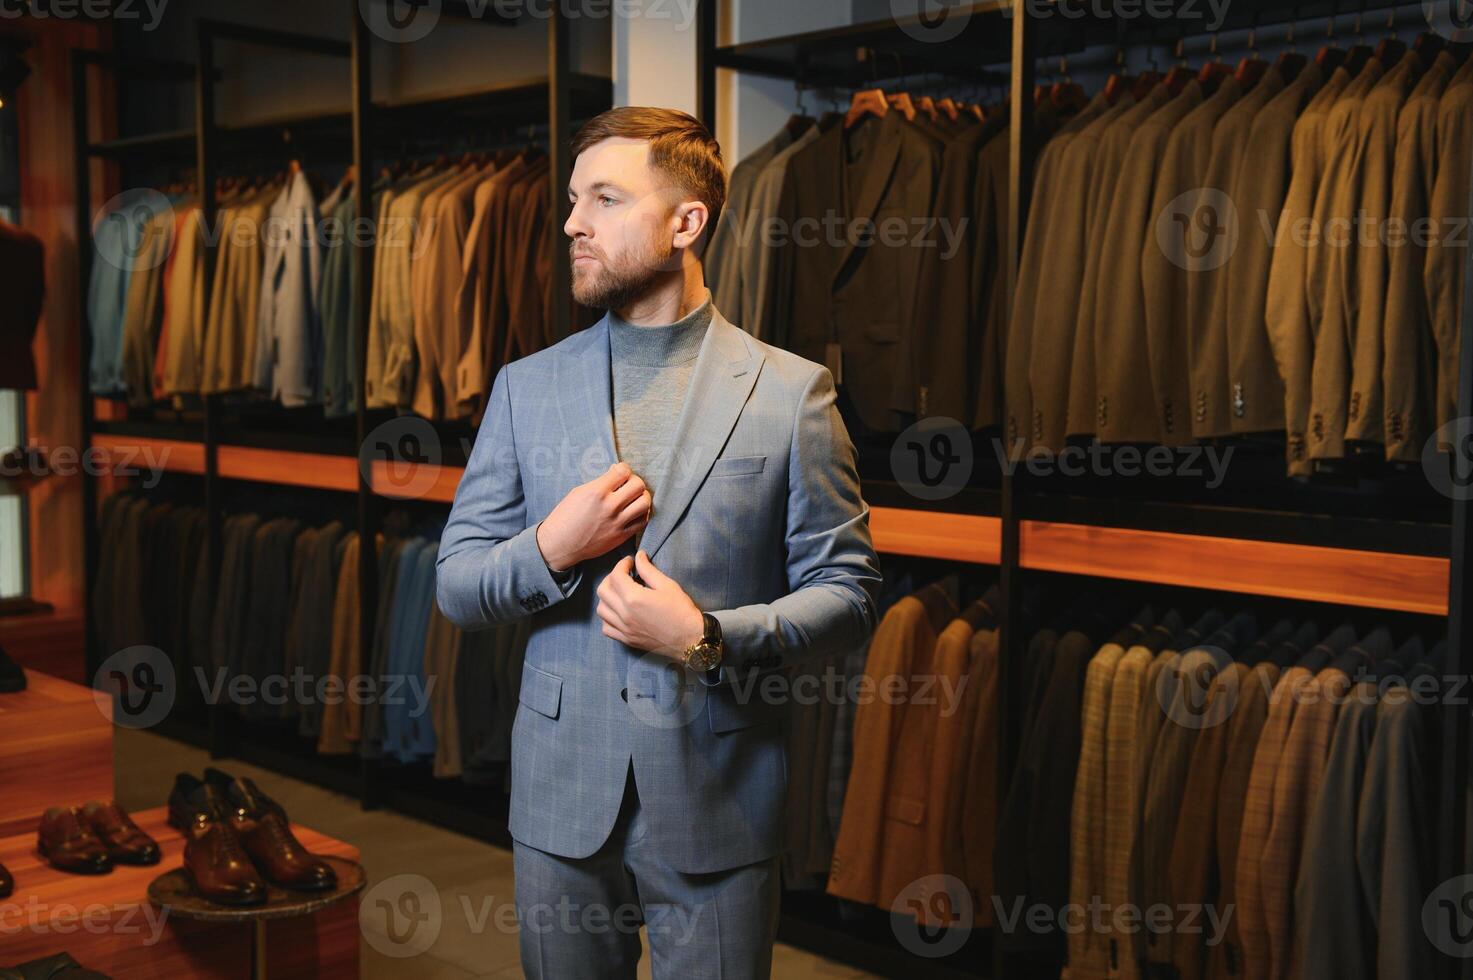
(727, 714)
(906, 810)
(541, 691)
(732, 465)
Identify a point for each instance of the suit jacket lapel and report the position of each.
(587, 411)
(877, 170)
(726, 369)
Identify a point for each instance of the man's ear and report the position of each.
(692, 218)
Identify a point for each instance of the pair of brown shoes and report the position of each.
(236, 836)
(91, 839)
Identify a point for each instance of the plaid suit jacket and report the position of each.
(1258, 805)
(1296, 786)
(1088, 956)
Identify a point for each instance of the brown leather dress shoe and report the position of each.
(125, 843)
(69, 844)
(265, 833)
(216, 864)
(7, 883)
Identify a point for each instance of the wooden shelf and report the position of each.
(172, 455)
(1411, 583)
(930, 534)
(1381, 580)
(56, 749)
(314, 470)
(413, 481)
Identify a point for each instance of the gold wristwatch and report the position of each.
(705, 653)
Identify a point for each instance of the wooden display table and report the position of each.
(56, 749)
(108, 924)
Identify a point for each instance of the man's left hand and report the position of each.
(657, 616)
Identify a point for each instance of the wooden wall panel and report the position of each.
(53, 413)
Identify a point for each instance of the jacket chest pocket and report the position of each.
(737, 466)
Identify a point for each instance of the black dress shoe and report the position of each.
(12, 678)
(186, 800)
(7, 882)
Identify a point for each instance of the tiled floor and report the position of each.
(473, 881)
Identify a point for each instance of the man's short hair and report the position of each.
(681, 148)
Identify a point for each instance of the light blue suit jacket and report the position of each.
(760, 520)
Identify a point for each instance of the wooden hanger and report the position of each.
(902, 102)
(1214, 72)
(1252, 68)
(1391, 49)
(927, 105)
(948, 108)
(1179, 75)
(1428, 46)
(1143, 83)
(866, 102)
(1359, 54)
(1291, 62)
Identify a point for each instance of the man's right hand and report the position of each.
(594, 518)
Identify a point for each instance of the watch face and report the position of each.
(702, 658)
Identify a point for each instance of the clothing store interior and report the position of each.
(1146, 322)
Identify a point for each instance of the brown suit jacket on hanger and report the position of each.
(1173, 311)
(1209, 288)
(1260, 187)
(905, 637)
(1287, 311)
(861, 299)
(918, 838)
(1109, 157)
(1328, 275)
(1128, 410)
(1367, 265)
(943, 358)
(477, 329)
(1447, 261)
(1017, 429)
(1409, 374)
(1064, 214)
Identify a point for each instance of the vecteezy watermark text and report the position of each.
(1102, 459)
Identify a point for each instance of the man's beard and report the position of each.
(617, 287)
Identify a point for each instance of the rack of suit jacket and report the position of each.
(287, 607)
(922, 787)
(1250, 322)
(1266, 786)
(156, 335)
(904, 329)
(459, 288)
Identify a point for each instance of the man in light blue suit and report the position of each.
(678, 506)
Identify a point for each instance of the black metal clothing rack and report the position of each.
(998, 35)
(563, 94)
